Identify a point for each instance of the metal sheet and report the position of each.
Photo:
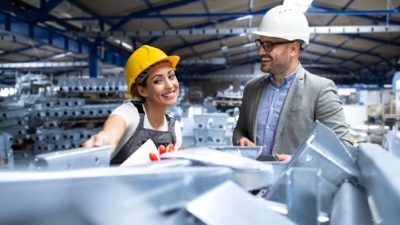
(213, 157)
(381, 172)
(303, 188)
(244, 151)
(392, 141)
(73, 159)
(220, 206)
(322, 149)
(350, 206)
(253, 179)
(104, 195)
(101, 203)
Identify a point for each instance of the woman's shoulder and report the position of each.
(126, 110)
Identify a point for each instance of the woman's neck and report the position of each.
(155, 114)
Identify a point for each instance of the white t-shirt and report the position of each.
(131, 116)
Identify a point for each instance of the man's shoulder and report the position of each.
(316, 80)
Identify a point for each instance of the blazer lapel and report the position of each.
(297, 83)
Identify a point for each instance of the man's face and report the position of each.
(278, 60)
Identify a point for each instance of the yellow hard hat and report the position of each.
(143, 58)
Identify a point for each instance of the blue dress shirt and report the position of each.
(269, 109)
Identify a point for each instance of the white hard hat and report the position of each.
(285, 22)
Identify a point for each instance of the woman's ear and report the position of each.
(142, 91)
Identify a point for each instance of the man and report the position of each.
(279, 108)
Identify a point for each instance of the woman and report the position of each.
(151, 79)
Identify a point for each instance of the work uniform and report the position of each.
(143, 133)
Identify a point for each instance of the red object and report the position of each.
(170, 148)
(162, 149)
(153, 157)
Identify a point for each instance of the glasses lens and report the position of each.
(268, 46)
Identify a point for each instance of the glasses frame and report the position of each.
(269, 46)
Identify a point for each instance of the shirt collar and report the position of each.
(288, 79)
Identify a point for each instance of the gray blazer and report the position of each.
(309, 98)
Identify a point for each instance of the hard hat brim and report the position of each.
(286, 37)
(174, 59)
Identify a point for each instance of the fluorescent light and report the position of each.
(62, 55)
(124, 44)
(303, 5)
(66, 15)
(244, 17)
(251, 44)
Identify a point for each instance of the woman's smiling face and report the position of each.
(162, 86)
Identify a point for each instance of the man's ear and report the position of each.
(142, 91)
(295, 48)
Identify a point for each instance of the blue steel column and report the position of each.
(93, 65)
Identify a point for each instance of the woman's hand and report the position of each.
(97, 140)
(161, 150)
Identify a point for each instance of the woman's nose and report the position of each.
(169, 83)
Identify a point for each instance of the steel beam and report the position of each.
(235, 31)
(26, 65)
(366, 16)
(21, 49)
(150, 10)
(141, 15)
(45, 9)
(53, 37)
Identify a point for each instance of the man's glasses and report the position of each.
(268, 46)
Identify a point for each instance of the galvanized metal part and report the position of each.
(92, 85)
(380, 177)
(244, 151)
(350, 206)
(323, 150)
(209, 156)
(303, 188)
(6, 151)
(73, 159)
(104, 195)
(392, 141)
(229, 204)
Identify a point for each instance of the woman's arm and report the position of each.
(113, 129)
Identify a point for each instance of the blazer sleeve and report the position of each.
(329, 111)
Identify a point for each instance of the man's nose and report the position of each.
(261, 51)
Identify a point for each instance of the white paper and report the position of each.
(141, 155)
(219, 158)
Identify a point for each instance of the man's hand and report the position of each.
(97, 140)
(245, 142)
(282, 157)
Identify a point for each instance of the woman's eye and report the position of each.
(157, 81)
(171, 76)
